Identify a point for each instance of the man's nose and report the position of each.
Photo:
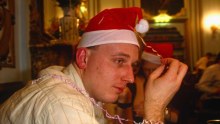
(129, 75)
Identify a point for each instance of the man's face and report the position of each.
(108, 70)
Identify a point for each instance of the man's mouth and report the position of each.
(119, 89)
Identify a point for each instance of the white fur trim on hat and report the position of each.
(151, 58)
(100, 37)
(142, 26)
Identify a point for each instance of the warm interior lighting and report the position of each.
(212, 22)
(163, 17)
(83, 8)
(59, 12)
(214, 30)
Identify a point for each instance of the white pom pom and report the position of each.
(142, 26)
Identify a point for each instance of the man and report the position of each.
(101, 70)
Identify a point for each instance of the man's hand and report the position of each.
(162, 85)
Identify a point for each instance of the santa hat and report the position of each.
(155, 51)
(115, 25)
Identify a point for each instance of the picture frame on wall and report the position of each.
(174, 8)
(7, 22)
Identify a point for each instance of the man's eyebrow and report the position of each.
(122, 54)
(127, 56)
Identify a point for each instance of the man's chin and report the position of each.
(112, 100)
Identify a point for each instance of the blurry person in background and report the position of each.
(209, 85)
(208, 104)
(201, 65)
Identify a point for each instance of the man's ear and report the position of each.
(81, 57)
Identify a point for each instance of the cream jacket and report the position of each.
(51, 99)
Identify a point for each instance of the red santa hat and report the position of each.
(156, 51)
(115, 25)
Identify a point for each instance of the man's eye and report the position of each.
(120, 61)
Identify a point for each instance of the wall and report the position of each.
(210, 44)
(22, 70)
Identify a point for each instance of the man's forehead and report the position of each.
(118, 45)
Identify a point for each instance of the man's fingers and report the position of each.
(175, 68)
(182, 71)
(172, 66)
(157, 72)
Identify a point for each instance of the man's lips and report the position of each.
(119, 89)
